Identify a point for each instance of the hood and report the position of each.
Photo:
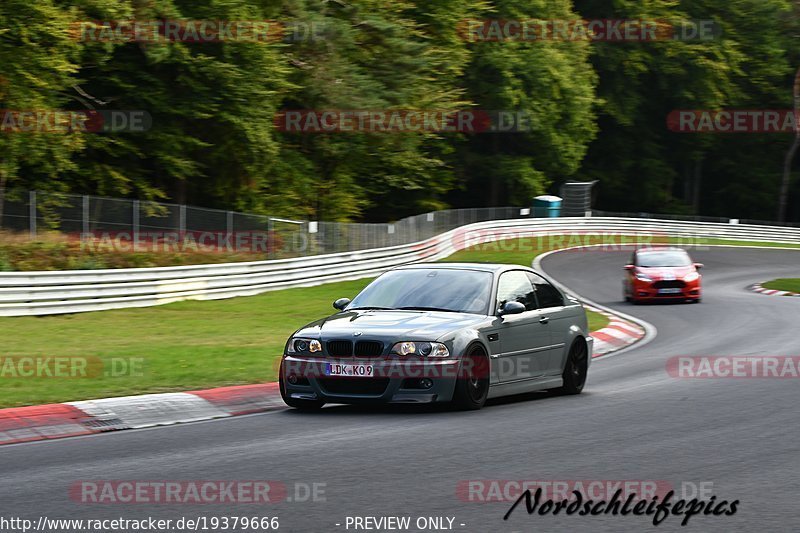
(666, 273)
(393, 325)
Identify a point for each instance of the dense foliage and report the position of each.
(598, 110)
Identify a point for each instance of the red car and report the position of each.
(662, 274)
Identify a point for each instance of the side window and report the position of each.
(514, 286)
(547, 295)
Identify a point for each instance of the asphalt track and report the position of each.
(634, 422)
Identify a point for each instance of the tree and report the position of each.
(641, 165)
(39, 64)
(549, 81)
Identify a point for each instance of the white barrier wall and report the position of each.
(44, 293)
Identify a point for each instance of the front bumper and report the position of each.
(394, 380)
(643, 290)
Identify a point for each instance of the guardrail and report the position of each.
(44, 293)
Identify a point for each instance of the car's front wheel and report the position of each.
(574, 375)
(303, 405)
(472, 386)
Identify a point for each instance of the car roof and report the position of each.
(482, 267)
(660, 249)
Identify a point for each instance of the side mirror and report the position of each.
(629, 267)
(341, 303)
(698, 266)
(511, 308)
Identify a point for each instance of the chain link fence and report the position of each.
(140, 225)
(156, 226)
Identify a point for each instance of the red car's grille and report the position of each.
(669, 284)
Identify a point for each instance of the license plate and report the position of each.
(669, 291)
(354, 371)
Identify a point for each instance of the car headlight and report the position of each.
(642, 277)
(691, 276)
(303, 346)
(424, 349)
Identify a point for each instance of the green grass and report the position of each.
(728, 242)
(596, 320)
(192, 345)
(783, 284)
(184, 346)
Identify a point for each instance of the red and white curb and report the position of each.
(53, 421)
(87, 417)
(622, 331)
(618, 334)
(756, 287)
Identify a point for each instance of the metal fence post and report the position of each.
(335, 237)
(32, 213)
(229, 230)
(181, 222)
(270, 239)
(135, 220)
(85, 216)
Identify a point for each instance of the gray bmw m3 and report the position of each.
(444, 332)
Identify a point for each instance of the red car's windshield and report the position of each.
(663, 259)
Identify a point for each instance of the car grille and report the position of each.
(669, 284)
(369, 349)
(340, 348)
(365, 386)
(362, 349)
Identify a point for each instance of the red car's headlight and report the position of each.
(691, 276)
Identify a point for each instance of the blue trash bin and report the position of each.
(546, 206)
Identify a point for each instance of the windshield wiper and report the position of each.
(371, 308)
(422, 308)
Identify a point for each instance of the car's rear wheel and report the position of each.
(472, 385)
(303, 405)
(574, 375)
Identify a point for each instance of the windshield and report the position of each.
(464, 291)
(663, 259)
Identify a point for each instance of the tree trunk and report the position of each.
(787, 162)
